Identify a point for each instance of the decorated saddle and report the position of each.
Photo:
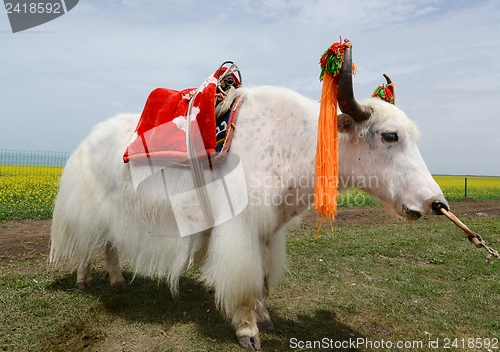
(207, 115)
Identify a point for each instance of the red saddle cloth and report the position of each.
(160, 135)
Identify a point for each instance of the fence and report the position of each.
(476, 187)
(28, 183)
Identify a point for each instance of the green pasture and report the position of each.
(28, 192)
(416, 283)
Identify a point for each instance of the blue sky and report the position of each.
(104, 57)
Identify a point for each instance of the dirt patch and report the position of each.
(75, 337)
(377, 215)
(28, 240)
(24, 240)
(473, 208)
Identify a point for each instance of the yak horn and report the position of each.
(347, 102)
(391, 87)
(387, 79)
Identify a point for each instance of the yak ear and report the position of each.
(345, 123)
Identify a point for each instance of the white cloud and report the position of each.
(426, 10)
(104, 57)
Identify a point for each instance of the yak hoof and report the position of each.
(266, 326)
(250, 343)
(82, 285)
(120, 284)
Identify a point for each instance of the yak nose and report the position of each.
(437, 205)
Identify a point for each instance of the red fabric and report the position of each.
(160, 133)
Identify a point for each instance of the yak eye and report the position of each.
(389, 137)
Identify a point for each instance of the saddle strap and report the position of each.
(196, 168)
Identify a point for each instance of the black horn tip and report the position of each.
(387, 79)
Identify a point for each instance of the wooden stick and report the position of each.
(472, 235)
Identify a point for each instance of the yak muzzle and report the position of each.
(437, 205)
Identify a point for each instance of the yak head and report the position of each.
(379, 152)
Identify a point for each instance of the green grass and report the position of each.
(415, 281)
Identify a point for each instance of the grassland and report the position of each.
(379, 280)
(374, 280)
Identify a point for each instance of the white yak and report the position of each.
(98, 210)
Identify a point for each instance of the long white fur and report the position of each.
(276, 141)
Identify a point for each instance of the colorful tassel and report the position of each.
(327, 171)
(386, 93)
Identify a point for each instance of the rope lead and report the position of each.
(472, 236)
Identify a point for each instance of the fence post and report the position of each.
(465, 190)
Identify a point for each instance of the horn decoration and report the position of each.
(326, 167)
(386, 92)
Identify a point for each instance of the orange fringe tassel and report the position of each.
(327, 170)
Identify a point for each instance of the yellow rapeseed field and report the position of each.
(29, 192)
(478, 187)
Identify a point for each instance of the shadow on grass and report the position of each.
(147, 301)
